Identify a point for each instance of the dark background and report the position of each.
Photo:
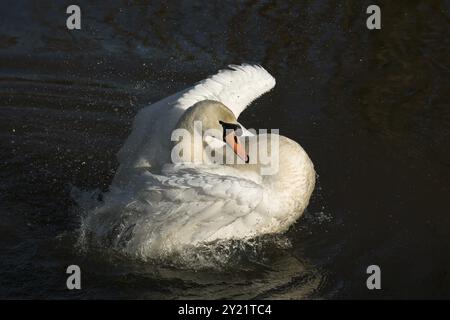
(369, 107)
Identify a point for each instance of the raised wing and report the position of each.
(148, 145)
(236, 87)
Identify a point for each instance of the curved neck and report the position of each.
(291, 186)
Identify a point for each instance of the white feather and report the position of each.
(236, 88)
(184, 205)
(148, 145)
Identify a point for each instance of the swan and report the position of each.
(155, 206)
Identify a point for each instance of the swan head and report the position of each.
(216, 126)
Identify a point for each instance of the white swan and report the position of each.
(155, 207)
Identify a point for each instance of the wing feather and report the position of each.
(235, 87)
(185, 206)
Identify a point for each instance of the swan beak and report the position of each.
(233, 141)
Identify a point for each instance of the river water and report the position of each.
(369, 107)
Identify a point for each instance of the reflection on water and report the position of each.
(370, 107)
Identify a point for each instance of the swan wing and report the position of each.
(235, 87)
(150, 134)
(148, 144)
(182, 207)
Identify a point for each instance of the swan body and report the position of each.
(155, 206)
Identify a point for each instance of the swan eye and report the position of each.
(235, 139)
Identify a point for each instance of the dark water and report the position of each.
(370, 107)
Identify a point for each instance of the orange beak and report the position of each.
(233, 141)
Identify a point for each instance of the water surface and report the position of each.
(369, 107)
